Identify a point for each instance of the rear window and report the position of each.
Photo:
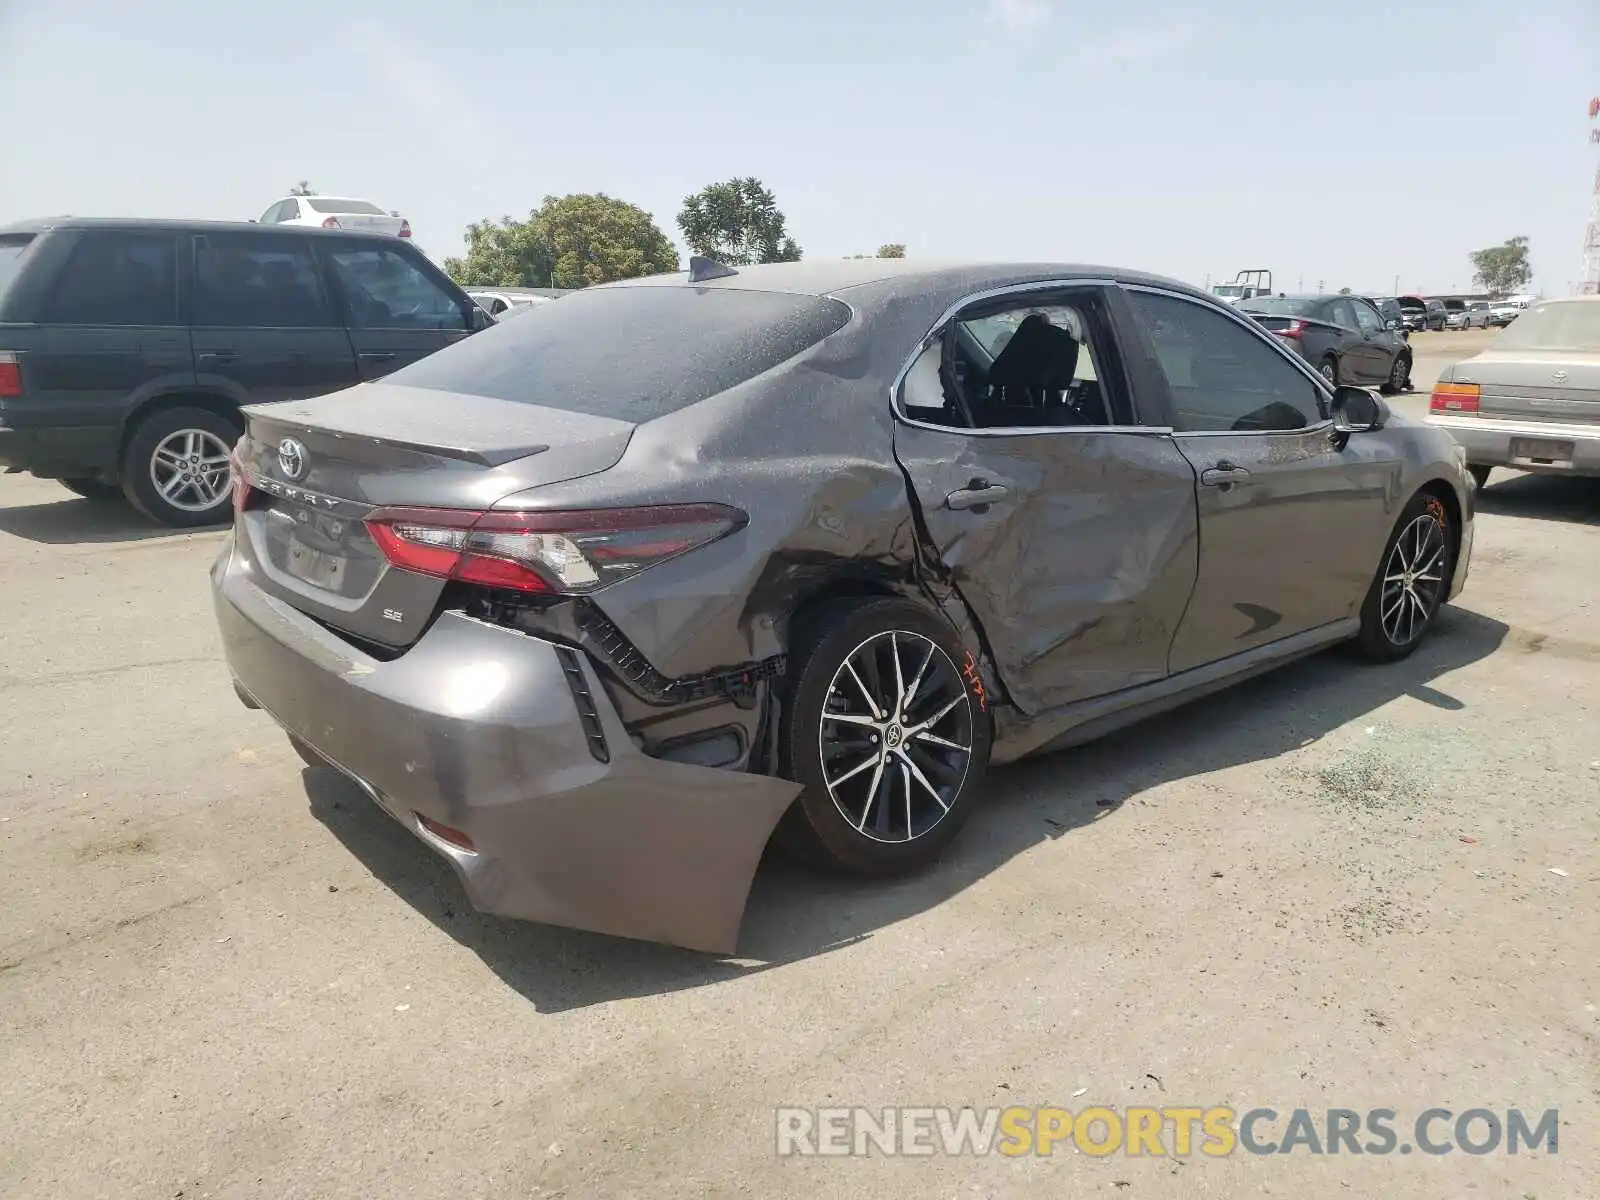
(1280, 306)
(1569, 325)
(632, 353)
(327, 204)
(11, 249)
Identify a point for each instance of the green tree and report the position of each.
(737, 222)
(301, 189)
(567, 242)
(892, 250)
(595, 238)
(1502, 269)
(504, 253)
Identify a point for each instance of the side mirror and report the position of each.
(1358, 410)
(1392, 325)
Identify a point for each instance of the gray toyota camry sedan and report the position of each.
(597, 600)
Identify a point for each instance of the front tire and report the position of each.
(176, 468)
(888, 736)
(1412, 582)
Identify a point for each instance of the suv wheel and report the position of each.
(176, 469)
(887, 736)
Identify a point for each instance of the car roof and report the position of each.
(828, 277)
(175, 225)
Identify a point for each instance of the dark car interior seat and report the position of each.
(1033, 381)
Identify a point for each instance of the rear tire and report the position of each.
(1328, 368)
(886, 734)
(1399, 374)
(307, 755)
(92, 489)
(176, 469)
(1411, 584)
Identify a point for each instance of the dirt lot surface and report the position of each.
(225, 976)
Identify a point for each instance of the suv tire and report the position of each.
(170, 469)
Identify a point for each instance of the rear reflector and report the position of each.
(451, 837)
(559, 553)
(1454, 397)
(10, 374)
(331, 223)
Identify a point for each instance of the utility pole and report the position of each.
(1321, 286)
(1396, 291)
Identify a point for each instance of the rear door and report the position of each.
(398, 306)
(1068, 530)
(264, 327)
(1291, 516)
(109, 335)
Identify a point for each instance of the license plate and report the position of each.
(316, 567)
(1539, 450)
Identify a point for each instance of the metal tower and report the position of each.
(1589, 285)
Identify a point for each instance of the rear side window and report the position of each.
(386, 290)
(1282, 306)
(241, 281)
(631, 353)
(11, 249)
(117, 279)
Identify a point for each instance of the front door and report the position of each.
(1289, 513)
(1378, 347)
(396, 309)
(1070, 536)
(263, 324)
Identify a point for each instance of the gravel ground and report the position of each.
(225, 976)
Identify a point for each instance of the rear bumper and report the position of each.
(1488, 442)
(477, 728)
(65, 452)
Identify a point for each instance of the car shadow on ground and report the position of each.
(73, 520)
(1542, 497)
(795, 913)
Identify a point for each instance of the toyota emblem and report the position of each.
(1558, 377)
(291, 459)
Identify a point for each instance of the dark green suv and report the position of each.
(127, 347)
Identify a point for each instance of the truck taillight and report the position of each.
(1455, 397)
(405, 228)
(331, 223)
(557, 553)
(10, 374)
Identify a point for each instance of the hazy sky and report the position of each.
(1339, 142)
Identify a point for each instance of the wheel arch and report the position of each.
(1445, 493)
(213, 402)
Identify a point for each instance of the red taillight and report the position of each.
(405, 227)
(331, 223)
(241, 482)
(564, 553)
(1455, 397)
(1295, 329)
(10, 374)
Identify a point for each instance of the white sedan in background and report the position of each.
(336, 212)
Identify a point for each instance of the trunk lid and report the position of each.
(319, 467)
(1544, 385)
(366, 223)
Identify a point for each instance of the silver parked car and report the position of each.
(1532, 399)
(598, 599)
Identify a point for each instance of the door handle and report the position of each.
(980, 493)
(378, 355)
(1223, 475)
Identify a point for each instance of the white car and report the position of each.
(336, 212)
(498, 302)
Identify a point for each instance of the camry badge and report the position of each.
(291, 458)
